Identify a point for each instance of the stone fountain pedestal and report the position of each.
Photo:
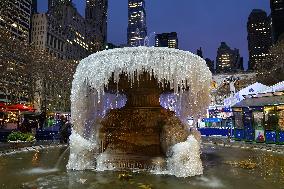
(140, 134)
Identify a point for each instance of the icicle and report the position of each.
(178, 68)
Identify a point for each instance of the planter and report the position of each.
(20, 144)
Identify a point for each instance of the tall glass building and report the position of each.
(137, 29)
(96, 15)
(259, 37)
(277, 14)
(169, 40)
(54, 3)
(16, 18)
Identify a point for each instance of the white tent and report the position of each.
(252, 89)
(274, 88)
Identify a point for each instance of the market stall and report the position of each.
(260, 118)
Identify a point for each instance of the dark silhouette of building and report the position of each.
(34, 7)
(137, 29)
(111, 46)
(96, 15)
(277, 15)
(54, 3)
(199, 52)
(210, 64)
(228, 60)
(167, 40)
(33, 11)
(259, 37)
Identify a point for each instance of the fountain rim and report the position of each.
(139, 48)
(176, 66)
(86, 63)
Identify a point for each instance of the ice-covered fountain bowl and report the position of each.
(120, 120)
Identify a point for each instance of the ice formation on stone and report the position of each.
(84, 149)
(185, 159)
(178, 67)
(89, 102)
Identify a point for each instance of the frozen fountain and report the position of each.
(130, 108)
(120, 111)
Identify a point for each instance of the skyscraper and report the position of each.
(63, 32)
(199, 52)
(137, 29)
(259, 37)
(228, 60)
(167, 40)
(16, 18)
(277, 15)
(210, 64)
(53, 3)
(34, 7)
(96, 16)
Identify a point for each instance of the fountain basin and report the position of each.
(223, 168)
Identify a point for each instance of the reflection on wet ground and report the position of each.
(232, 168)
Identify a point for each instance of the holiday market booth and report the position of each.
(260, 118)
(10, 114)
(220, 119)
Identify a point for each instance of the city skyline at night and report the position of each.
(198, 23)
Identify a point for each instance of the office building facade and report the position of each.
(137, 29)
(96, 16)
(259, 37)
(228, 60)
(15, 21)
(56, 3)
(65, 36)
(169, 40)
(277, 15)
(16, 18)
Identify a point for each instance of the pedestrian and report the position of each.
(62, 122)
(64, 132)
(42, 118)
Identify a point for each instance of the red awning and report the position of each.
(2, 107)
(20, 107)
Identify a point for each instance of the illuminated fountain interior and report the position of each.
(130, 108)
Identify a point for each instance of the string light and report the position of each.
(270, 71)
(23, 65)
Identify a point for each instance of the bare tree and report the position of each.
(22, 66)
(271, 70)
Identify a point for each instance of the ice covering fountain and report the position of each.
(118, 120)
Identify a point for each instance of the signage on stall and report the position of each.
(212, 120)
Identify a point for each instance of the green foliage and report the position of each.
(19, 136)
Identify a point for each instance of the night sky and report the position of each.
(199, 23)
